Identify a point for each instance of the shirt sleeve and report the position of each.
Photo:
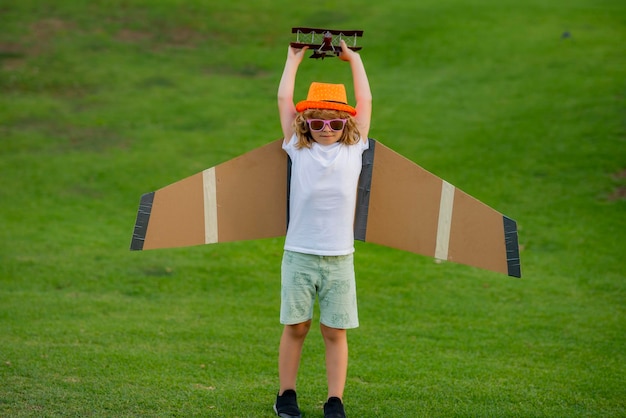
(364, 145)
(290, 146)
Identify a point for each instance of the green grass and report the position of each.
(102, 101)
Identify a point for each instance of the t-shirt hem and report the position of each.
(319, 252)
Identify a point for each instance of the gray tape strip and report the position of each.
(363, 193)
(512, 247)
(141, 224)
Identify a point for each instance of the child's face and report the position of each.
(326, 129)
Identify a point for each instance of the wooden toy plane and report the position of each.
(325, 42)
(399, 205)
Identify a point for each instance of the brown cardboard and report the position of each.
(177, 217)
(404, 204)
(252, 194)
(477, 235)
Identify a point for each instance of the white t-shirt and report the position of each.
(322, 202)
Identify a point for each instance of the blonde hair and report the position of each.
(350, 135)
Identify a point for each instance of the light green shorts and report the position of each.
(331, 278)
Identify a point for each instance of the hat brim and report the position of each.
(309, 104)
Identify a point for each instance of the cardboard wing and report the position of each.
(399, 205)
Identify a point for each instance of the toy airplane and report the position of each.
(325, 42)
(399, 205)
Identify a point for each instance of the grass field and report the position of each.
(520, 104)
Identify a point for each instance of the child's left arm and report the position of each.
(362, 91)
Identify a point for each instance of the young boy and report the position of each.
(325, 138)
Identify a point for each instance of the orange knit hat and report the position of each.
(326, 96)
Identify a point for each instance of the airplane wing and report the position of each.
(325, 42)
(399, 205)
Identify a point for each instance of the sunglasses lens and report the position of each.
(336, 125)
(316, 124)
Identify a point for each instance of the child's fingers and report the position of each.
(345, 51)
(296, 52)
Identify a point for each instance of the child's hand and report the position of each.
(346, 53)
(296, 54)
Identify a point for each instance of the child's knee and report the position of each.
(298, 330)
(333, 334)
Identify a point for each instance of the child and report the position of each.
(325, 138)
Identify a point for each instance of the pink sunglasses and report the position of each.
(317, 125)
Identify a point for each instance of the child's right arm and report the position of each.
(286, 106)
(362, 91)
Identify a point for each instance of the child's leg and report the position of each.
(336, 341)
(289, 353)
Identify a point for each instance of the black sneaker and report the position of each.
(286, 405)
(334, 408)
